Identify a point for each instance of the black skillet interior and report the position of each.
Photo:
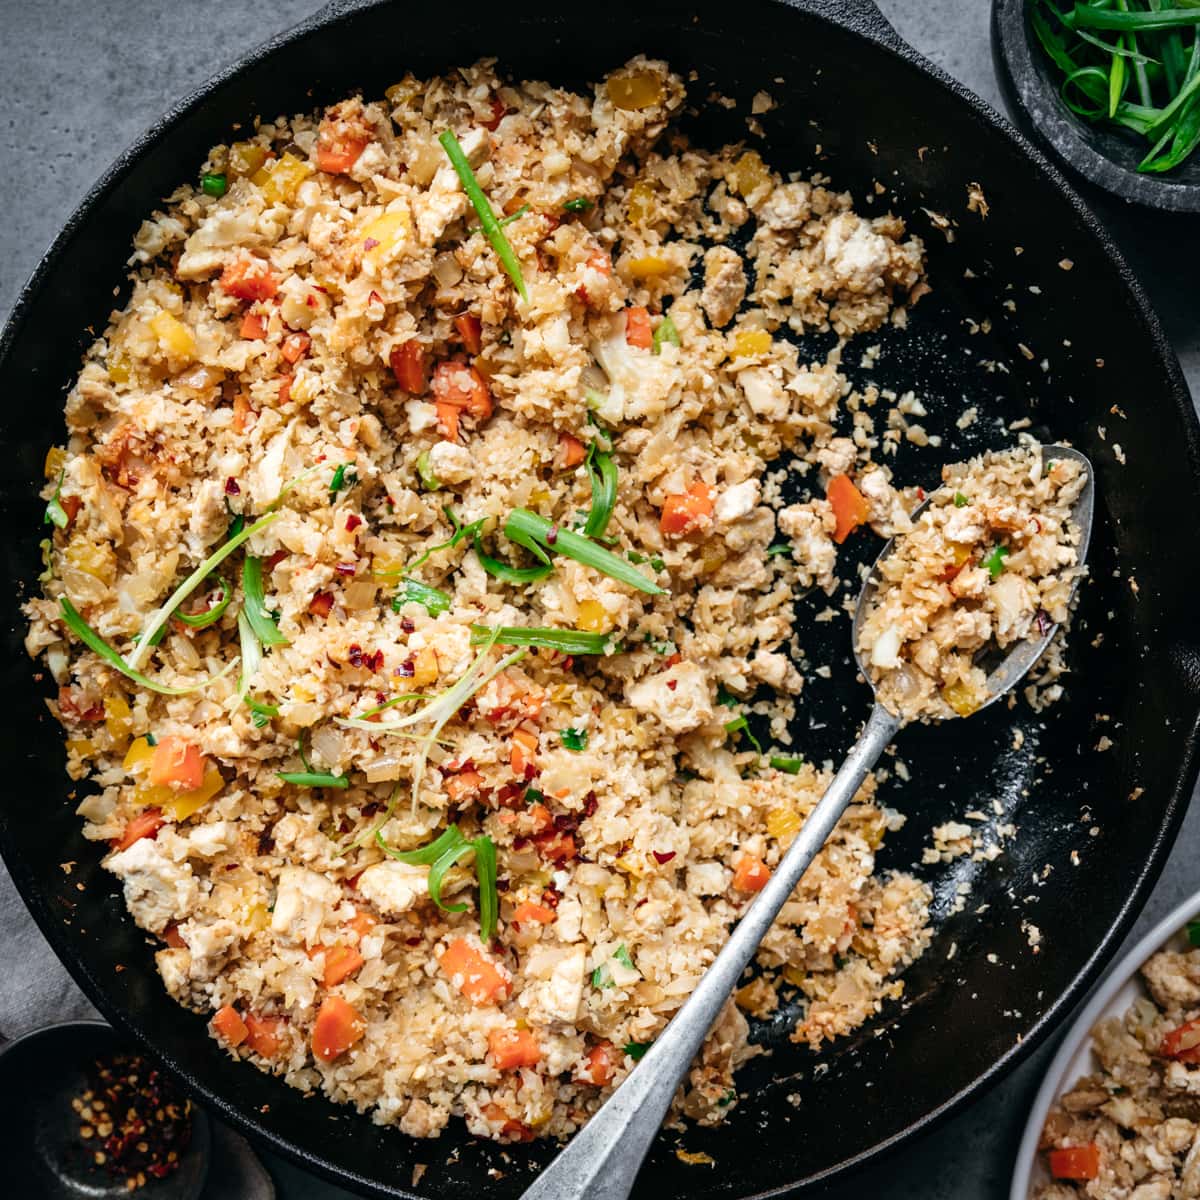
(1009, 329)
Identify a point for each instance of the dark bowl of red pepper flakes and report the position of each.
(82, 1113)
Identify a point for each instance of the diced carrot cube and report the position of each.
(637, 328)
(340, 963)
(524, 751)
(751, 874)
(513, 1048)
(466, 783)
(295, 346)
(230, 1027)
(249, 279)
(1075, 1162)
(601, 1065)
(850, 508)
(571, 450)
(557, 846)
(687, 512)
(461, 385)
(263, 1034)
(254, 327)
(338, 1027)
(470, 329)
(363, 923)
(541, 817)
(408, 365)
(528, 913)
(447, 420)
(473, 973)
(146, 824)
(177, 764)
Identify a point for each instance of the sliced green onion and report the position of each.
(995, 561)
(461, 532)
(665, 333)
(574, 739)
(485, 876)
(602, 977)
(487, 218)
(343, 478)
(621, 954)
(787, 764)
(429, 481)
(637, 1050)
(779, 548)
(255, 608)
(656, 563)
(313, 779)
(602, 471)
(210, 616)
(741, 725)
(55, 513)
(513, 216)
(579, 204)
(261, 713)
(251, 654)
(568, 641)
(142, 645)
(527, 529)
(46, 546)
(434, 600)
(427, 855)
(93, 641)
(213, 183)
(960, 501)
(370, 712)
(504, 571)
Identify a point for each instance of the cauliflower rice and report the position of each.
(1131, 1130)
(274, 360)
(991, 561)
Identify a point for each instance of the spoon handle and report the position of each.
(603, 1160)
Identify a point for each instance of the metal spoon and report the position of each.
(603, 1160)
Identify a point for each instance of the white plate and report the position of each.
(1111, 997)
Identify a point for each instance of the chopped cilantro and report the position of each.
(995, 561)
(960, 501)
(574, 739)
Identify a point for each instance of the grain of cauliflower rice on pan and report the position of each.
(414, 560)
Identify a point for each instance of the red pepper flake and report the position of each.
(551, 535)
(406, 623)
(353, 522)
(321, 605)
(311, 301)
(407, 669)
(498, 113)
(920, 493)
(271, 563)
(346, 568)
(373, 662)
(661, 859)
(551, 897)
(672, 684)
(355, 655)
(231, 487)
(590, 804)
(374, 298)
(370, 243)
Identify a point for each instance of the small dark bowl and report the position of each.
(1104, 156)
(40, 1074)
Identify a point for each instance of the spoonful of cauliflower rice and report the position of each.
(956, 610)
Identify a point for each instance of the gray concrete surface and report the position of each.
(78, 80)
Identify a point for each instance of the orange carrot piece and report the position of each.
(601, 1065)
(447, 420)
(513, 1048)
(408, 365)
(229, 1026)
(462, 785)
(263, 1034)
(470, 329)
(687, 512)
(177, 764)
(541, 816)
(571, 450)
(249, 279)
(473, 973)
(254, 327)
(528, 913)
(556, 846)
(637, 328)
(850, 508)
(340, 963)
(461, 385)
(338, 1027)
(295, 346)
(524, 751)
(146, 824)
(1075, 1162)
(1182, 1043)
(363, 923)
(241, 412)
(751, 874)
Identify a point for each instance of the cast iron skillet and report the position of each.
(1093, 827)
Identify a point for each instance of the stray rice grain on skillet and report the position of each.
(408, 565)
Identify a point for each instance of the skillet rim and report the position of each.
(862, 20)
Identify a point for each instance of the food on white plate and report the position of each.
(992, 560)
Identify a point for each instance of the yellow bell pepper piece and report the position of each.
(634, 91)
(649, 266)
(118, 720)
(751, 343)
(593, 617)
(783, 823)
(246, 157)
(961, 697)
(56, 458)
(182, 805)
(425, 669)
(139, 753)
(173, 335)
(281, 180)
(384, 236)
(748, 174)
(641, 203)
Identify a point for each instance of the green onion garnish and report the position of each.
(143, 643)
(513, 216)
(602, 977)
(637, 1050)
(429, 481)
(461, 532)
(343, 478)
(212, 183)
(568, 641)
(55, 513)
(960, 501)
(779, 548)
(93, 641)
(313, 779)
(533, 796)
(504, 571)
(46, 546)
(666, 332)
(261, 621)
(261, 713)
(622, 956)
(443, 853)
(602, 471)
(210, 616)
(579, 204)
(995, 561)
(487, 218)
(574, 739)
(434, 599)
(789, 765)
(741, 725)
(531, 530)
(1193, 932)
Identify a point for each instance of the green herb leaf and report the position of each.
(533, 796)
(960, 501)
(568, 641)
(313, 779)
(574, 739)
(434, 599)
(579, 204)
(789, 765)
(261, 621)
(664, 333)
(487, 218)
(429, 481)
(55, 513)
(741, 725)
(213, 184)
(637, 1050)
(995, 561)
(528, 529)
(725, 698)
(344, 478)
